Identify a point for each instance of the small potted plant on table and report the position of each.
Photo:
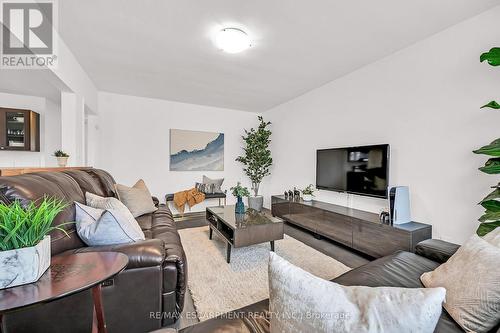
(24, 240)
(308, 193)
(239, 192)
(62, 158)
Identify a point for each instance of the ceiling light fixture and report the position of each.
(232, 40)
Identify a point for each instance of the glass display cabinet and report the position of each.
(19, 130)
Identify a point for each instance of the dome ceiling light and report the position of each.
(232, 40)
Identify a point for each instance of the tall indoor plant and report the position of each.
(24, 240)
(491, 203)
(257, 159)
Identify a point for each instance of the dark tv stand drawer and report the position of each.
(354, 228)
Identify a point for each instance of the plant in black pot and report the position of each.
(239, 192)
(256, 159)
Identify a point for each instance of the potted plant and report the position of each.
(62, 158)
(24, 240)
(308, 193)
(239, 192)
(490, 220)
(256, 159)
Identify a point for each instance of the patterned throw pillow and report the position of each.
(216, 184)
(472, 281)
(205, 188)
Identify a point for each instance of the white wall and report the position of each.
(424, 101)
(50, 131)
(134, 141)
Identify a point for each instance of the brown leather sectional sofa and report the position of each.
(148, 295)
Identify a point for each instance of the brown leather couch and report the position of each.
(401, 269)
(148, 295)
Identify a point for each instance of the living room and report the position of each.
(249, 167)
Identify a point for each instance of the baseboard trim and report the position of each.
(188, 216)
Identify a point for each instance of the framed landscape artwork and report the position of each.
(196, 151)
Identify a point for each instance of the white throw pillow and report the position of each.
(472, 281)
(493, 237)
(302, 302)
(106, 226)
(96, 201)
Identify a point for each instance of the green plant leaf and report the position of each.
(492, 56)
(492, 105)
(485, 228)
(489, 217)
(492, 166)
(492, 196)
(493, 149)
(491, 205)
(25, 226)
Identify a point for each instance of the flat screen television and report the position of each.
(360, 170)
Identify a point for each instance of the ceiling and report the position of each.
(30, 82)
(164, 48)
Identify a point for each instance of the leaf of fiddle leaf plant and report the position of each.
(492, 105)
(490, 217)
(492, 56)
(491, 167)
(491, 205)
(492, 196)
(485, 228)
(493, 149)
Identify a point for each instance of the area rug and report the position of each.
(218, 287)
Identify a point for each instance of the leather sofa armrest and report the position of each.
(436, 250)
(147, 253)
(156, 201)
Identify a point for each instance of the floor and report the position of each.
(334, 250)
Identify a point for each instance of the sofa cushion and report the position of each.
(87, 182)
(147, 253)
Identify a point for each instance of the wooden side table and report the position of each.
(67, 275)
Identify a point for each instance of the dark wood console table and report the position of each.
(354, 228)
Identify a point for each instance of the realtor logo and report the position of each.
(28, 34)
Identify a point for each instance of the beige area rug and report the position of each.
(218, 287)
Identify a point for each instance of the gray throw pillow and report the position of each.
(217, 184)
(302, 302)
(472, 281)
(106, 226)
(137, 198)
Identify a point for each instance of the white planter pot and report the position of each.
(62, 161)
(25, 265)
(256, 202)
(307, 197)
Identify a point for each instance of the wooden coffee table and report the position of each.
(67, 275)
(239, 230)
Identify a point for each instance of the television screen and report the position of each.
(360, 170)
